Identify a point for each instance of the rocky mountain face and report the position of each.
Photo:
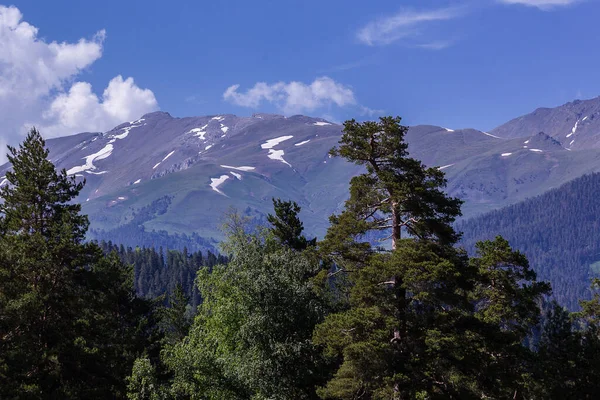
(159, 176)
(575, 125)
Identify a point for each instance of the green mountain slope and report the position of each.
(559, 232)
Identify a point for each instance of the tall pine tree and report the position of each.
(70, 325)
(420, 318)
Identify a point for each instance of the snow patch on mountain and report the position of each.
(574, 129)
(505, 154)
(238, 176)
(156, 165)
(168, 155)
(242, 168)
(105, 152)
(278, 155)
(489, 134)
(445, 166)
(301, 143)
(218, 118)
(126, 131)
(224, 128)
(208, 147)
(216, 182)
(199, 132)
(136, 182)
(536, 150)
(449, 130)
(269, 144)
(320, 123)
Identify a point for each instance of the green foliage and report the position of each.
(175, 318)
(251, 337)
(557, 231)
(404, 332)
(507, 301)
(158, 273)
(423, 320)
(287, 227)
(143, 382)
(396, 193)
(285, 318)
(70, 325)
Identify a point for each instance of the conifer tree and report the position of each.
(286, 225)
(175, 318)
(69, 322)
(421, 322)
(399, 337)
(42, 267)
(397, 193)
(559, 368)
(507, 299)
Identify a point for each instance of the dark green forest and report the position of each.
(157, 273)
(559, 232)
(283, 316)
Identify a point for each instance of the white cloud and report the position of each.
(81, 110)
(34, 85)
(404, 24)
(370, 111)
(293, 97)
(436, 45)
(541, 4)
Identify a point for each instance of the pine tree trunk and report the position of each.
(396, 232)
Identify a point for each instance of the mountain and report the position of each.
(178, 176)
(489, 172)
(576, 125)
(169, 181)
(558, 231)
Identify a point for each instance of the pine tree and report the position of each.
(559, 368)
(176, 320)
(42, 267)
(400, 335)
(421, 322)
(507, 301)
(286, 225)
(70, 326)
(397, 193)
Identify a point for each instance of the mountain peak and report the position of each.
(267, 116)
(157, 114)
(575, 125)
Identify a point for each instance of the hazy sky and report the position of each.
(70, 65)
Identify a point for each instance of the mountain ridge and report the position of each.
(207, 164)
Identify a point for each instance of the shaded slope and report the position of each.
(559, 232)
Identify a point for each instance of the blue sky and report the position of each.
(449, 63)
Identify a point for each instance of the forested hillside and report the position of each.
(158, 272)
(133, 233)
(286, 317)
(559, 232)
